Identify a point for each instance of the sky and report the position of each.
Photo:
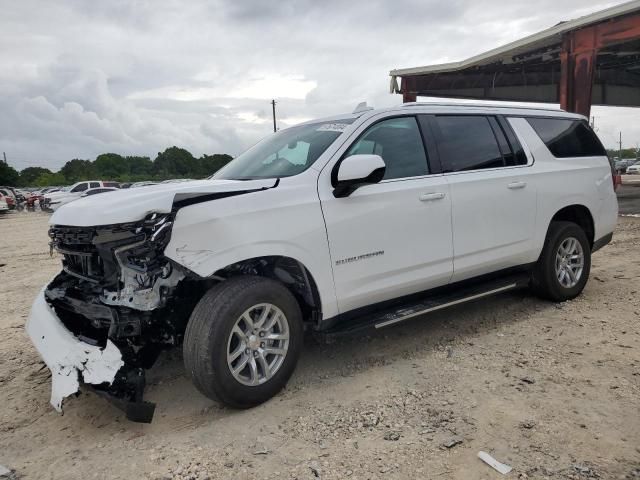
(80, 78)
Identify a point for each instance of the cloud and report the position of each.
(82, 78)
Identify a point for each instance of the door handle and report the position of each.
(516, 185)
(428, 197)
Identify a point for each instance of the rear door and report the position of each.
(493, 197)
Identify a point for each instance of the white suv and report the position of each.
(356, 221)
(53, 201)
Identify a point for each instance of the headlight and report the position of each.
(158, 225)
(145, 255)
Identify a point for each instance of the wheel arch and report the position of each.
(578, 214)
(292, 273)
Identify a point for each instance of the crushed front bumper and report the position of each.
(67, 357)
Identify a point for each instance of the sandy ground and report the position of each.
(552, 390)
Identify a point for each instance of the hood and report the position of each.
(133, 204)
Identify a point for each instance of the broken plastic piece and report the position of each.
(66, 356)
(493, 463)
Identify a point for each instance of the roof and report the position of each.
(592, 60)
(541, 39)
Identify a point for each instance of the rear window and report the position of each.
(467, 143)
(475, 142)
(567, 138)
(111, 184)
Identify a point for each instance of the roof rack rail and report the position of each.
(478, 105)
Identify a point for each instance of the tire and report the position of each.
(210, 336)
(545, 280)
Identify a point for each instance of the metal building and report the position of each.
(592, 60)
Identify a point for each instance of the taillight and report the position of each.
(616, 178)
(617, 181)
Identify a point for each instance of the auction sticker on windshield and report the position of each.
(332, 127)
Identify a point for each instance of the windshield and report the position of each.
(284, 153)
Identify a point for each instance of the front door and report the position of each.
(393, 238)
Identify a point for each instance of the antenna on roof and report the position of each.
(362, 107)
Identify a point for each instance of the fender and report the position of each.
(287, 221)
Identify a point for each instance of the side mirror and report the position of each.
(356, 171)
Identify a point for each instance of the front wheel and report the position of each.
(563, 268)
(243, 341)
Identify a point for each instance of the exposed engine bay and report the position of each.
(117, 286)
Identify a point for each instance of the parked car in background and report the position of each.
(34, 198)
(4, 207)
(23, 194)
(37, 196)
(60, 201)
(633, 169)
(622, 165)
(72, 192)
(17, 194)
(10, 197)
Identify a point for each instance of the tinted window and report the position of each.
(111, 184)
(80, 188)
(517, 155)
(467, 143)
(567, 138)
(94, 185)
(399, 143)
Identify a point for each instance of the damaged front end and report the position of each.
(117, 303)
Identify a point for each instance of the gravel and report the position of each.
(511, 375)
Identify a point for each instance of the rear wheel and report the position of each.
(563, 268)
(243, 341)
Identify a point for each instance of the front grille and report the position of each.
(71, 235)
(81, 257)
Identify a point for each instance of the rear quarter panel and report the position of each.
(562, 182)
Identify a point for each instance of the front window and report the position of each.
(398, 142)
(284, 153)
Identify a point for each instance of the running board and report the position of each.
(447, 297)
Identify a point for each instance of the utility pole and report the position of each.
(5, 157)
(620, 147)
(273, 106)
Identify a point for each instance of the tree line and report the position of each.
(627, 153)
(174, 162)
